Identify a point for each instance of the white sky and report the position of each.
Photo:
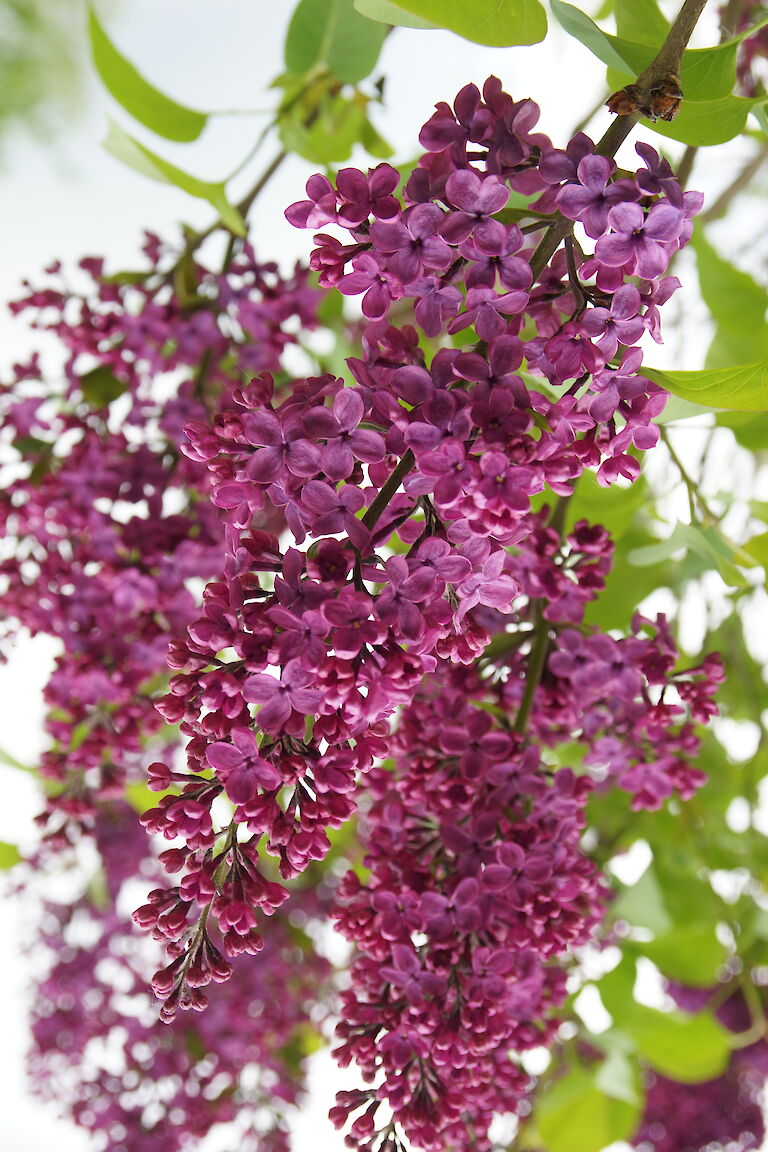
(71, 199)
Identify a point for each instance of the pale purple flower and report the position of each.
(279, 698)
(475, 201)
(640, 243)
(240, 766)
(591, 199)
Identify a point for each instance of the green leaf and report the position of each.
(618, 1077)
(738, 306)
(640, 21)
(684, 1047)
(706, 541)
(705, 73)
(577, 24)
(388, 13)
(691, 954)
(124, 148)
(642, 905)
(617, 988)
(12, 762)
(334, 35)
(9, 855)
(757, 547)
(749, 429)
(497, 23)
(578, 1114)
(330, 138)
(373, 142)
(136, 95)
(741, 388)
(100, 386)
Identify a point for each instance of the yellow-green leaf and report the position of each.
(387, 13)
(9, 855)
(124, 148)
(691, 954)
(488, 22)
(741, 388)
(578, 1114)
(136, 95)
(685, 1048)
(334, 35)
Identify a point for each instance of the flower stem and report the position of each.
(389, 488)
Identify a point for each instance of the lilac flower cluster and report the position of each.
(398, 620)
(410, 496)
(477, 876)
(477, 882)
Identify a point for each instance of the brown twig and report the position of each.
(666, 63)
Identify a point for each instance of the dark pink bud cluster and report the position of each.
(477, 881)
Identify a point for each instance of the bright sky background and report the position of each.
(68, 198)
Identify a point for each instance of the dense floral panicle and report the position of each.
(468, 900)
(408, 499)
(478, 880)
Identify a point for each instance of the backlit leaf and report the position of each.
(640, 21)
(387, 13)
(684, 1047)
(738, 306)
(743, 387)
(136, 95)
(334, 35)
(124, 148)
(577, 1114)
(497, 23)
(691, 954)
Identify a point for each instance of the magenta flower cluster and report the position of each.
(427, 615)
